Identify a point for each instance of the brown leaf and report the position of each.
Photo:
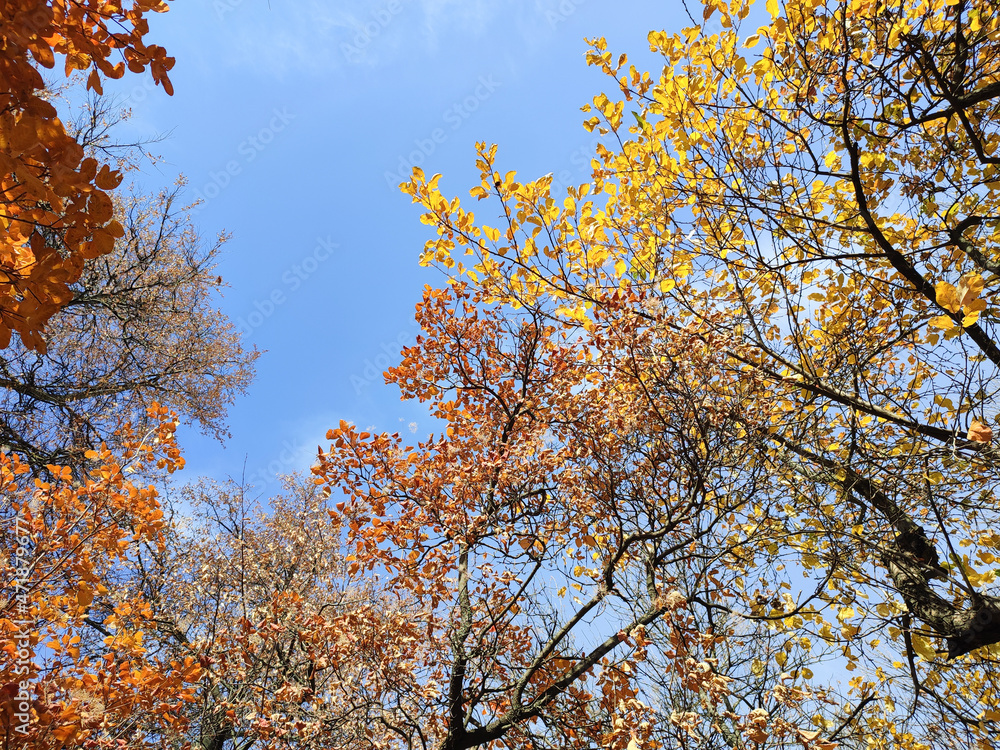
(980, 432)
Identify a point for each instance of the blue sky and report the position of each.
(292, 120)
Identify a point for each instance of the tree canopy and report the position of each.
(813, 204)
(714, 464)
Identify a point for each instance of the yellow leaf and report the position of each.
(970, 287)
(772, 8)
(923, 647)
(941, 321)
(948, 296)
(970, 318)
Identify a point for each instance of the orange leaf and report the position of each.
(108, 179)
(979, 432)
(84, 595)
(94, 82)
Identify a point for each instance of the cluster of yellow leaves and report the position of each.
(55, 210)
(964, 299)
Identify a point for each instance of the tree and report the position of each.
(291, 644)
(66, 539)
(816, 204)
(141, 326)
(584, 499)
(55, 206)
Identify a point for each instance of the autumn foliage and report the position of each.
(55, 206)
(66, 540)
(142, 326)
(297, 652)
(714, 460)
(583, 490)
(814, 202)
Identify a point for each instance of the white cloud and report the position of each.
(315, 37)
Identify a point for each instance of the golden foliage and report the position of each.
(55, 207)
